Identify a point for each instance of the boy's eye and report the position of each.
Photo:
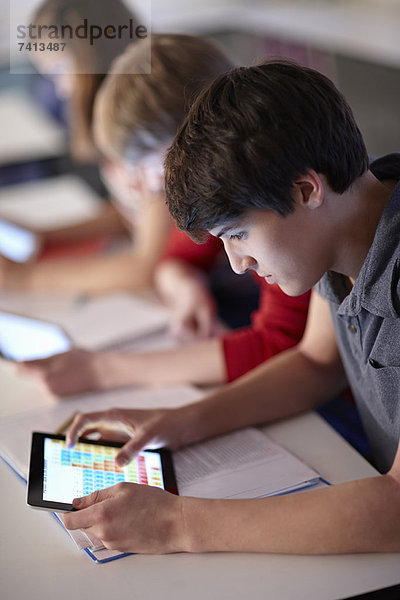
(236, 236)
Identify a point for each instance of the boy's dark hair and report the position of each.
(249, 135)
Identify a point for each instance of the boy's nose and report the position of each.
(241, 264)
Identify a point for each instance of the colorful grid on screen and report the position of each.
(71, 473)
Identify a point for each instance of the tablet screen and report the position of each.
(72, 473)
(16, 243)
(58, 474)
(22, 338)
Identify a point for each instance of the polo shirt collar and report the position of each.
(376, 288)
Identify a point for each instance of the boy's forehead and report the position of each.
(247, 220)
(222, 228)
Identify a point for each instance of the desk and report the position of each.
(38, 560)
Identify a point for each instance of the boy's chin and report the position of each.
(295, 289)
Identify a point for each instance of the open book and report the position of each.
(241, 464)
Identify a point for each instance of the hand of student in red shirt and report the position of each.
(13, 276)
(65, 374)
(194, 312)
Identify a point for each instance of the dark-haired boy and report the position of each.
(271, 160)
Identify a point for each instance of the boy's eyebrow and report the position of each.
(226, 228)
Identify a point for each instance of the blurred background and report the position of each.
(355, 42)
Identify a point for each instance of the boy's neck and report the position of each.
(364, 204)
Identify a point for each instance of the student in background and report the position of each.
(137, 114)
(136, 117)
(77, 74)
(78, 71)
(283, 178)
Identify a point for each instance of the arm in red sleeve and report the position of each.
(278, 324)
(181, 247)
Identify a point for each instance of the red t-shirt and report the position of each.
(276, 325)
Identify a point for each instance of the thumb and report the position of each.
(93, 498)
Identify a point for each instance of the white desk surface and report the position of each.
(39, 561)
(27, 133)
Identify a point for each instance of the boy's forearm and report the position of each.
(286, 385)
(359, 516)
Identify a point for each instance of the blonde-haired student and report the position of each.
(77, 73)
(138, 110)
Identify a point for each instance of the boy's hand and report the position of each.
(156, 428)
(64, 374)
(131, 518)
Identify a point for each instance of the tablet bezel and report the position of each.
(36, 470)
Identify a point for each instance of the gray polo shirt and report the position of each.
(367, 324)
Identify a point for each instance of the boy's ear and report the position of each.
(308, 190)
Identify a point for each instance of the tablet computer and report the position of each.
(58, 474)
(17, 243)
(25, 338)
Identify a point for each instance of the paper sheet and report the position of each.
(50, 204)
(38, 305)
(242, 464)
(111, 319)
